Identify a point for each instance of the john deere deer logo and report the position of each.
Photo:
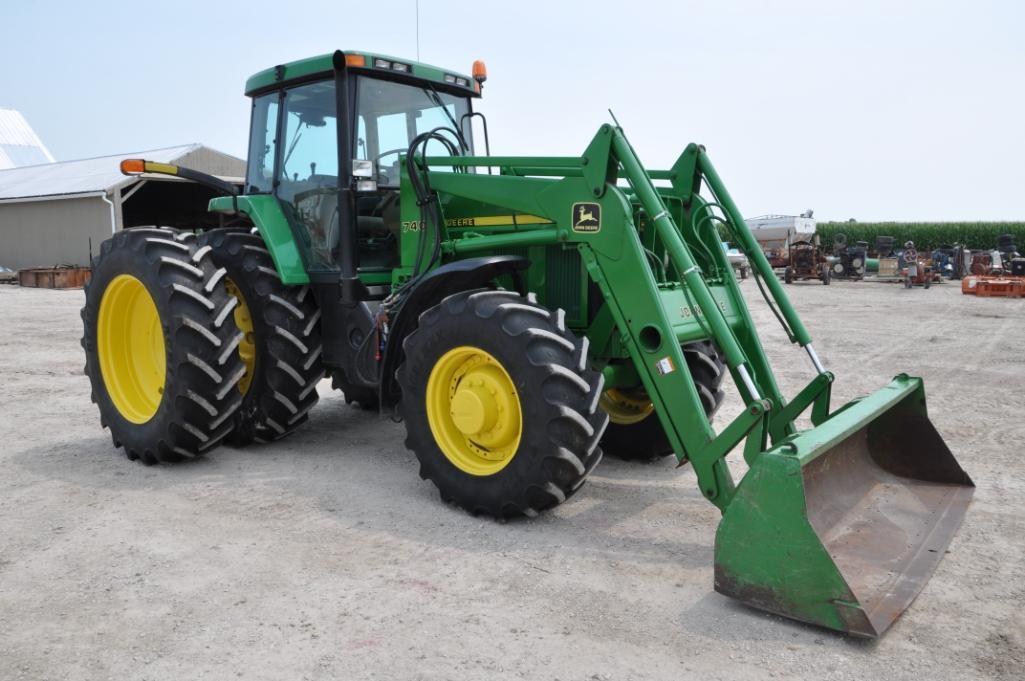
(586, 217)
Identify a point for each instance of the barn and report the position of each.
(59, 213)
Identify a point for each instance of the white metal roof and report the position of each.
(85, 176)
(19, 145)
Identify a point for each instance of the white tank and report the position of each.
(777, 231)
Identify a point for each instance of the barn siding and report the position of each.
(52, 232)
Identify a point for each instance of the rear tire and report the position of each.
(160, 346)
(646, 440)
(555, 398)
(283, 341)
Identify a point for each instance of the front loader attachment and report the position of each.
(840, 525)
(843, 524)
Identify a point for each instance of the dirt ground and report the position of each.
(326, 557)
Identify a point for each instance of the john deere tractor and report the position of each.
(522, 315)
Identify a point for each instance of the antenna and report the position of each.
(614, 119)
(418, 30)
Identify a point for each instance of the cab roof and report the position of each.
(323, 65)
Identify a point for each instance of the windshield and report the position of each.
(391, 114)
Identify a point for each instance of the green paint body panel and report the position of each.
(265, 212)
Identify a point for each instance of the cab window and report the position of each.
(307, 182)
(391, 114)
(262, 142)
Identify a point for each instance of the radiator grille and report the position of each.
(563, 281)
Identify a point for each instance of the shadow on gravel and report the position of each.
(350, 466)
(730, 621)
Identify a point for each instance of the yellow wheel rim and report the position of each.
(474, 411)
(626, 407)
(247, 347)
(130, 344)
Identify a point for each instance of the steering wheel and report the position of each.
(377, 162)
(389, 153)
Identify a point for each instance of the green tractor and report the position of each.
(522, 316)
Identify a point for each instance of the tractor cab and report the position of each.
(333, 163)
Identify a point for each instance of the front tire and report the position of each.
(498, 405)
(635, 432)
(160, 345)
(282, 345)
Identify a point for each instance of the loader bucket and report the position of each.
(843, 524)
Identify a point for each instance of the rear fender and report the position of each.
(265, 212)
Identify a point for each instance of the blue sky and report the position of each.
(873, 110)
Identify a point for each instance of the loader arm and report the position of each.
(860, 507)
(640, 306)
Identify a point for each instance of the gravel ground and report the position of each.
(326, 557)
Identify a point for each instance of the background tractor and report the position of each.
(805, 261)
(522, 315)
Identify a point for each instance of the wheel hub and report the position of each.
(131, 349)
(474, 410)
(626, 407)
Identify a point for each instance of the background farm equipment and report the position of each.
(914, 270)
(777, 257)
(805, 261)
(1011, 259)
(952, 262)
(998, 286)
(737, 260)
(520, 324)
(885, 246)
(982, 263)
(997, 274)
(848, 261)
(1005, 259)
(1007, 248)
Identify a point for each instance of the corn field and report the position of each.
(926, 235)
